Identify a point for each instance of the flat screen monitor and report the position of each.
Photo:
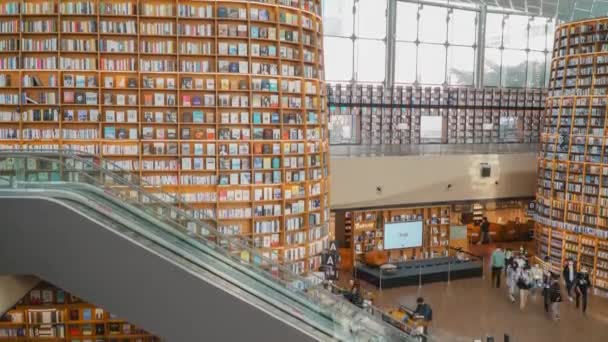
(402, 235)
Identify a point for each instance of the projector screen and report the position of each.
(402, 235)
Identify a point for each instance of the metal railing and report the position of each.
(338, 151)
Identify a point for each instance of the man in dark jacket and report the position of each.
(555, 296)
(485, 230)
(546, 281)
(570, 277)
(581, 285)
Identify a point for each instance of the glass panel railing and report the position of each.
(199, 227)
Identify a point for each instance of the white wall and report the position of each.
(424, 179)
(13, 288)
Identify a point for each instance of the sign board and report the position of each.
(330, 260)
(458, 233)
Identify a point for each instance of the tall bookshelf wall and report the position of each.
(572, 194)
(47, 313)
(221, 103)
(379, 115)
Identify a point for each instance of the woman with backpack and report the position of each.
(555, 296)
(524, 283)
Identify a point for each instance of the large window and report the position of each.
(355, 41)
(517, 48)
(338, 46)
(433, 45)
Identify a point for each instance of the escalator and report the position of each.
(98, 234)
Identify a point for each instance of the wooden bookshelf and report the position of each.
(393, 116)
(47, 313)
(365, 231)
(572, 194)
(221, 103)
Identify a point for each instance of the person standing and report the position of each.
(546, 282)
(511, 279)
(485, 231)
(569, 277)
(537, 279)
(498, 263)
(524, 282)
(508, 258)
(581, 286)
(555, 296)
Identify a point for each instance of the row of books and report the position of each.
(204, 11)
(130, 116)
(409, 96)
(168, 83)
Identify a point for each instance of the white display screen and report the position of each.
(402, 235)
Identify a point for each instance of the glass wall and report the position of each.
(433, 45)
(517, 50)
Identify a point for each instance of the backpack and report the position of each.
(428, 313)
(524, 280)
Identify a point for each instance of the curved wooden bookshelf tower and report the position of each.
(572, 195)
(219, 102)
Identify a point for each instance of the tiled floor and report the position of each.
(468, 309)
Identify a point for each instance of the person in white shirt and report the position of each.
(537, 278)
(512, 274)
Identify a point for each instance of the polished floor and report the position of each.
(465, 310)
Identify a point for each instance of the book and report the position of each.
(87, 315)
(185, 134)
(47, 296)
(170, 83)
(91, 81)
(196, 100)
(82, 115)
(187, 82)
(159, 99)
(68, 80)
(109, 132)
(121, 81)
(108, 82)
(197, 116)
(68, 97)
(80, 81)
(79, 98)
(186, 100)
(148, 82)
(110, 116)
(60, 297)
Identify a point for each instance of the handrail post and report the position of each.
(449, 270)
(419, 277)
